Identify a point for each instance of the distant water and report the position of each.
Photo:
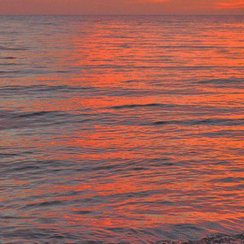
(121, 129)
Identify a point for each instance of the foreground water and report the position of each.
(120, 129)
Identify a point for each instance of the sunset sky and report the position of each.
(121, 6)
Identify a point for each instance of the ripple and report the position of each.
(217, 121)
(222, 81)
(141, 105)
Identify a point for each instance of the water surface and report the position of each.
(120, 129)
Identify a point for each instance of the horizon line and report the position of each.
(122, 14)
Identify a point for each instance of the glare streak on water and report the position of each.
(121, 128)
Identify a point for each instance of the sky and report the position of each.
(121, 6)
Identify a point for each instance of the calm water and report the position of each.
(120, 129)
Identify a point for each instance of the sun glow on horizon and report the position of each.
(121, 7)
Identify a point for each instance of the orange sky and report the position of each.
(121, 6)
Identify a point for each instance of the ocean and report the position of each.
(121, 129)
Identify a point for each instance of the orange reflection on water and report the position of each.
(142, 130)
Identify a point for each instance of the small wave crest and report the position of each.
(222, 81)
(141, 105)
(6, 90)
(217, 121)
(13, 48)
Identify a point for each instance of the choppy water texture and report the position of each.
(121, 129)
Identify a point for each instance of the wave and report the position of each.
(20, 120)
(222, 81)
(219, 238)
(101, 237)
(40, 88)
(196, 47)
(217, 121)
(8, 57)
(35, 114)
(43, 204)
(141, 105)
(13, 48)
